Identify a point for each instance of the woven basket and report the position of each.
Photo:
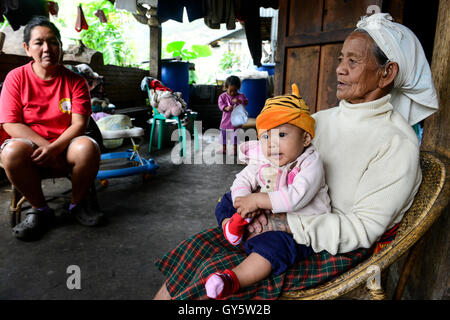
(431, 199)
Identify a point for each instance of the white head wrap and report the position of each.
(413, 94)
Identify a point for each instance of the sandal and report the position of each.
(35, 224)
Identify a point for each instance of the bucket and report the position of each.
(175, 75)
(256, 92)
(269, 67)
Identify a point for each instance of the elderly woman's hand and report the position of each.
(267, 221)
(257, 224)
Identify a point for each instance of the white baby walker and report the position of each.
(139, 165)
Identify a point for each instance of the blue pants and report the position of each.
(278, 247)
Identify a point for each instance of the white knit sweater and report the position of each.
(371, 159)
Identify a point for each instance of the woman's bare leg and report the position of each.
(162, 294)
(84, 157)
(22, 173)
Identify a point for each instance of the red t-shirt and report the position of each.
(44, 105)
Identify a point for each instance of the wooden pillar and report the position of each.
(155, 45)
(436, 136)
(429, 277)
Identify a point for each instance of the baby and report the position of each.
(284, 175)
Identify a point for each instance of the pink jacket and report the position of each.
(226, 100)
(298, 187)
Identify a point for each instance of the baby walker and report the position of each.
(140, 165)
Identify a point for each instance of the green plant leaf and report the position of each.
(201, 50)
(175, 46)
(188, 55)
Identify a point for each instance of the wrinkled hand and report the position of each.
(266, 221)
(227, 109)
(256, 226)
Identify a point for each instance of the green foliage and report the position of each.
(193, 77)
(197, 50)
(4, 24)
(106, 37)
(228, 61)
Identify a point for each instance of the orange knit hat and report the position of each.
(285, 109)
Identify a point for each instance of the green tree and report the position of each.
(106, 37)
(197, 50)
(229, 61)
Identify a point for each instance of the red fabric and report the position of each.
(187, 267)
(386, 239)
(157, 85)
(81, 21)
(236, 226)
(44, 105)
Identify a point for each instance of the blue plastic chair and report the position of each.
(181, 129)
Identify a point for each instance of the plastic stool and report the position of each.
(181, 130)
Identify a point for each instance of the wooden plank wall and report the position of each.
(122, 85)
(310, 36)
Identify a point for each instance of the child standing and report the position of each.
(284, 174)
(227, 102)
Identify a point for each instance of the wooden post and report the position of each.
(155, 45)
(436, 136)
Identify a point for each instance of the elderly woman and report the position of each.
(371, 158)
(45, 110)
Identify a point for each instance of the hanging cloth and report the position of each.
(249, 12)
(7, 5)
(53, 8)
(220, 11)
(81, 21)
(173, 9)
(101, 16)
(18, 13)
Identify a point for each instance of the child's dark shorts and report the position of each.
(278, 247)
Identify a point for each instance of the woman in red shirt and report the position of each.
(44, 109)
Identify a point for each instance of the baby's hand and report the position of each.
(247, 206)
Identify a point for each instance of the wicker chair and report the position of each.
(17, 201)
(431, 199)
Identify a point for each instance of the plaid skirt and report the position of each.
(188, 266)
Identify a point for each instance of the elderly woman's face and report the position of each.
(357, 72)
(44, 47)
